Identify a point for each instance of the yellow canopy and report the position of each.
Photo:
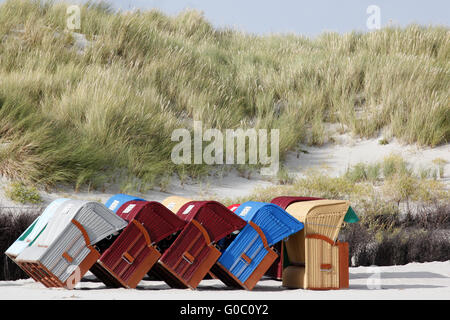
(323, 217)
(174, 203)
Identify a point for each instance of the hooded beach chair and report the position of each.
(65, 251)
(135, 250)
(34, 230)
(187, 261)
(30, 235)
(174, 203)
(244, 262)
(276, 269)
(116, 201)
(313, 258)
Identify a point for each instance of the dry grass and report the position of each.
(79, 117)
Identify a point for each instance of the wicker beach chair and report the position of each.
(135, 251)
(65, 251)
(313, 258)
(276, 270)
(116, 201)
(244, 262)
(187, 261)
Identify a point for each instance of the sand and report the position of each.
(423, 281)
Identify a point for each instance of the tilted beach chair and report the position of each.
(135, 250)
(313, 258)
(65, 251)
(34, 230)
(187, 261)
(116, 201)
(174, 203)
(30, 235)
(244, 262)
(276, 269)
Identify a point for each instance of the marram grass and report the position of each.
(79, 117)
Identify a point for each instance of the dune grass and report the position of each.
(106, 113)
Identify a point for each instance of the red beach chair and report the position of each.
(135, 251)
(187, 261)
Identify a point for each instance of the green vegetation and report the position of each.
(18, 192)
(107, 113)
(440, 164)
(371, 198)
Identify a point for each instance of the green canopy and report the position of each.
(351, 216)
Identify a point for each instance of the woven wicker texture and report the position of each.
(323, 217)
(313, 255)
(319, 253)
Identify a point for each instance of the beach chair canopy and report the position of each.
(174, 203)
(116, 201)
(97, 220)
(285, 201)
(217, 219)
(158, 220)
(323, 217)
(233, 207)
(275, 222)
(34, 230)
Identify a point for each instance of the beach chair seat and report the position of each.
(65, 251)
(187, 261)
(314, 258)
(244, 262)
(135, 251)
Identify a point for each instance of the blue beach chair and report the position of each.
(118, 200)
(248, 257)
